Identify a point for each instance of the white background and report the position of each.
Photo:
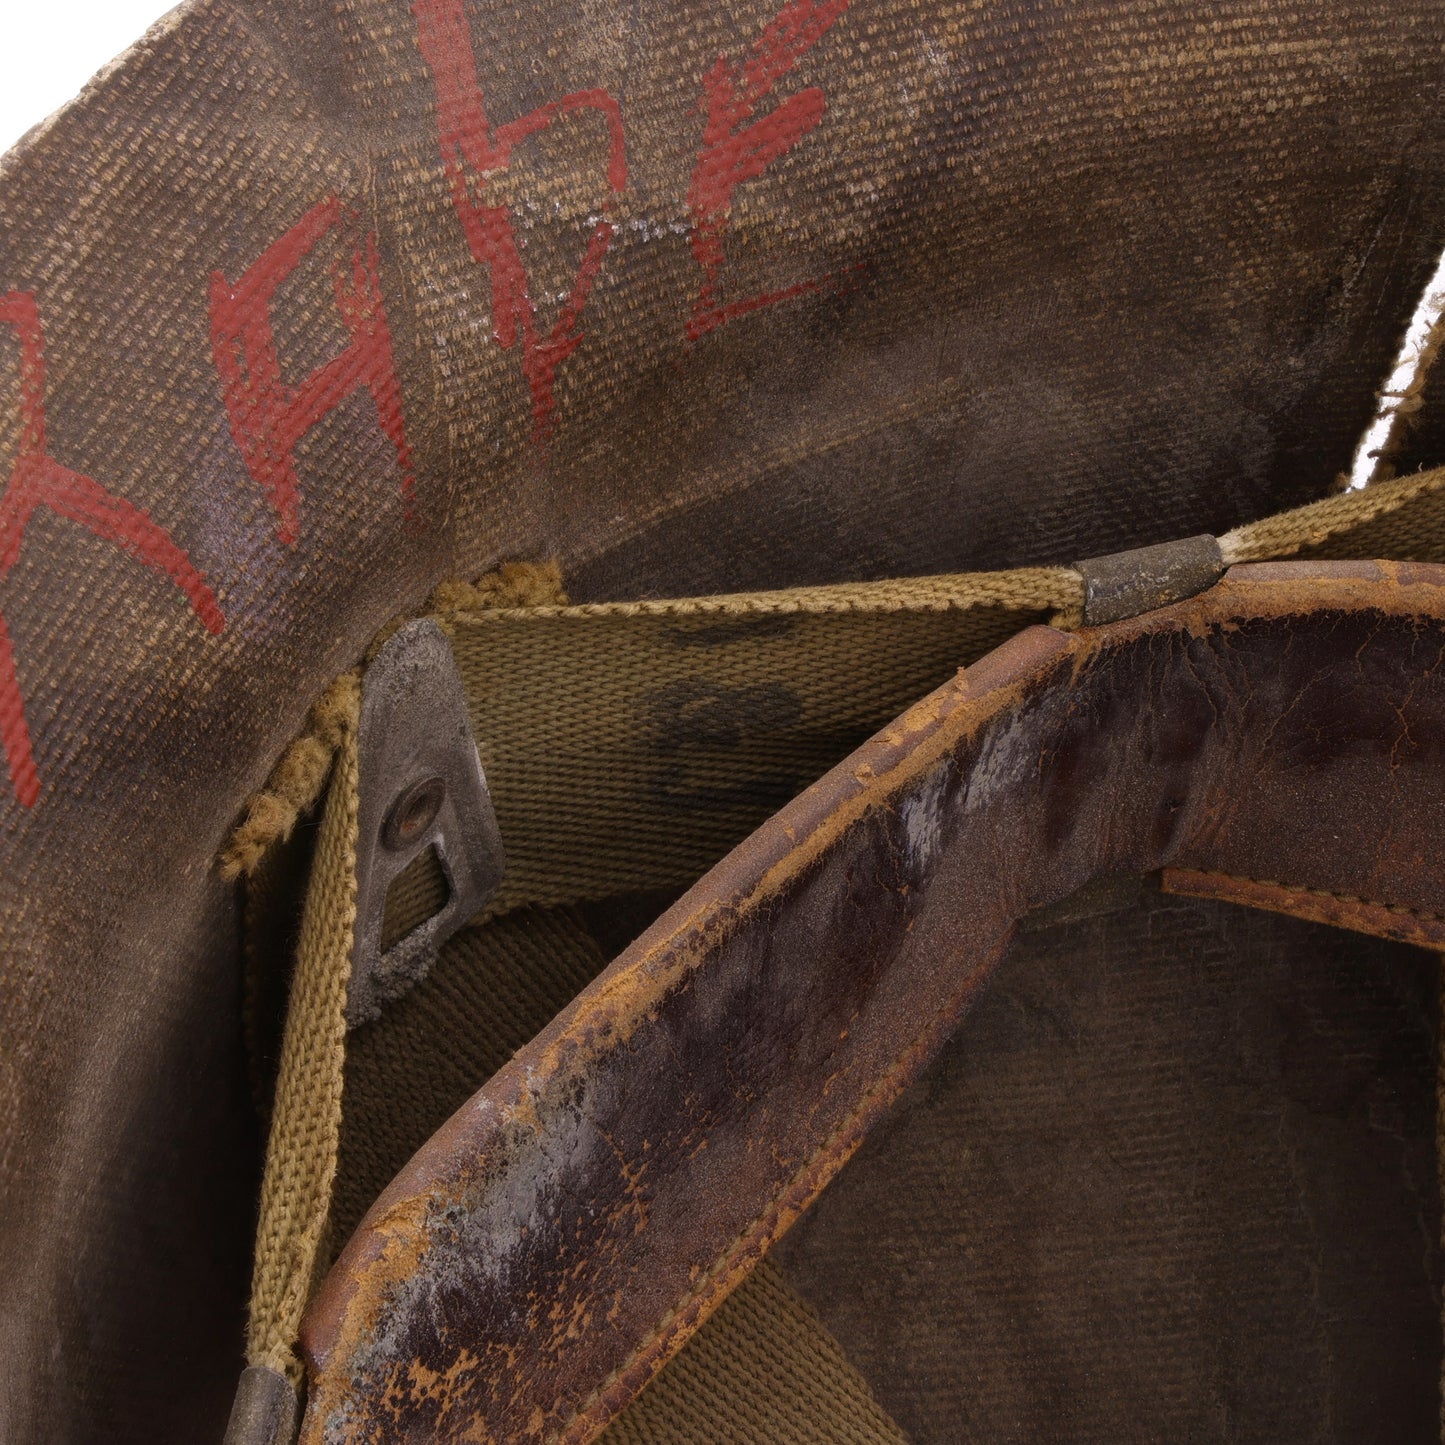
(52, 47)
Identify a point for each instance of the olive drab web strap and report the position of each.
(791, 673)
(763, 1368)
(306, 1117)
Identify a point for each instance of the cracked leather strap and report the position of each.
(566, 1231)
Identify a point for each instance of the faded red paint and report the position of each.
(38, 480)
(736, 148)
(473, 153)
(268, 416)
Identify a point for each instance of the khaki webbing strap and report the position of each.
(762, 1369)
(305, 1129)
(1402, 520)
(629, 746)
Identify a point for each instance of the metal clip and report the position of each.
(1124, 584)
(421, 786)
(265, 1410)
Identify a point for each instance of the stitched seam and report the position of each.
(725, 1257)
(751, 1229)
(1316, 893)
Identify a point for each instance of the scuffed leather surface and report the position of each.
(1114, 273)
(565, 1231)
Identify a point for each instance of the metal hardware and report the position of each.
(413, 813)
(421, 786)
(1124, 584)
(265, 1410)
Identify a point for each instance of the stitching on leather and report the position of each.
(725, 1257)
(750, 1229)
(1314, 892)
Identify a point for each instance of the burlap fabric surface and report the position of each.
(305, 307)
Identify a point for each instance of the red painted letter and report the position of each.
(473, 153)
(268, 417)
(736, 148)
(38, 480)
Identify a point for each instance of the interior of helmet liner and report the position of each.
(1175, 1174)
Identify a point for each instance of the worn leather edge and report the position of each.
(1315, 905)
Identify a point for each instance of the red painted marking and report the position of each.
(14, 735)
(268, 416)
(735, 148)
(473, 153)
(38, 480)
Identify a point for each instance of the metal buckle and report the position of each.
(421, 786)
(1126, 584)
